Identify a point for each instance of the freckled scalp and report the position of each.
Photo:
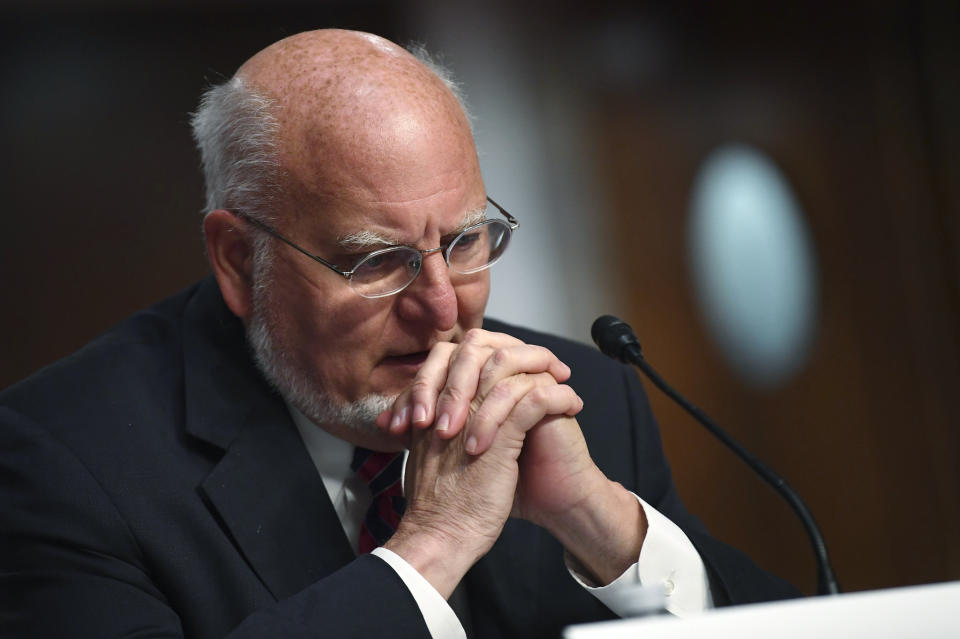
(349, 103)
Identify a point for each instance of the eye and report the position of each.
(468, 241)
(384, 264)
(374, 261)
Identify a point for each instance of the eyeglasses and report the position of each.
(388, 271)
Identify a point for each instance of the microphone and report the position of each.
(615, 338)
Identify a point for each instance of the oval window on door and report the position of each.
(753, 265)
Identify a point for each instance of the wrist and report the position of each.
(604, 532)
(441, 557)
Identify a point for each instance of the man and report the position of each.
(166, 480)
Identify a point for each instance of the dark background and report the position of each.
(855, 103)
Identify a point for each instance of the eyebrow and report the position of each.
(368, 240)
(364, 240)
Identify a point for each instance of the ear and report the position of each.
(230, 251)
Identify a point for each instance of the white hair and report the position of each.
(237, 135)
(436, 66)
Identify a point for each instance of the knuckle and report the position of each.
(469, 351)
(492, 369)
(529, 406)
(473, 336)
(481, 415)
(420, 386)
(538, 395)
(500, 356)
(501, 390)
(452, 394)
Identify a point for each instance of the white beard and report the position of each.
(296, 385)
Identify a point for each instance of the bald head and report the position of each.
(324, 113)
(323, 72)
(354, 112)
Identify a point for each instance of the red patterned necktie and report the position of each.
(381, 472)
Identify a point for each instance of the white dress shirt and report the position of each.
(667, 558)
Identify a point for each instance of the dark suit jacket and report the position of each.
(153, 485)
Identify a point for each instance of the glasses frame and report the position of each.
(512, 222)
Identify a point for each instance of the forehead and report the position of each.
(408, 189)
(347, 223)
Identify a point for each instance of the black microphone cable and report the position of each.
(615, 338)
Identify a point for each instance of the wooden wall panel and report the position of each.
(866, 432)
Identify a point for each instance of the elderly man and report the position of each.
(188, 473)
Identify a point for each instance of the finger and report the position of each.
(494, 408)
(537, 402)
(383, 419)
(502, 362)
(463, 375)
(396, 419)
(427, 384)
(522, 358)
(453, 402)
(541, 402)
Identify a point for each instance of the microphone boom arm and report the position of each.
(616, 339)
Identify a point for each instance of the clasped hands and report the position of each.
(492, 434)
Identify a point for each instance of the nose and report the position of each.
(431, 297)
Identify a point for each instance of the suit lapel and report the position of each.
(265, 490)
(270, 498)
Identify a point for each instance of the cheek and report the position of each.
(472, 300)
(343, 345)
(342, 326)
(327, 323)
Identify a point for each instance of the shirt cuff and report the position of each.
(668, 566)
(441, 621)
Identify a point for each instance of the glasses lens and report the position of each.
(479, 247)
(386, 272)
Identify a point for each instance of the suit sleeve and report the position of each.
(71, 566)
(325, 609)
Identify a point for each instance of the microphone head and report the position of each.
(613, 336)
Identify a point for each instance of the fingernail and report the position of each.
(471, 444)
(419, 414)
(443, 423)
